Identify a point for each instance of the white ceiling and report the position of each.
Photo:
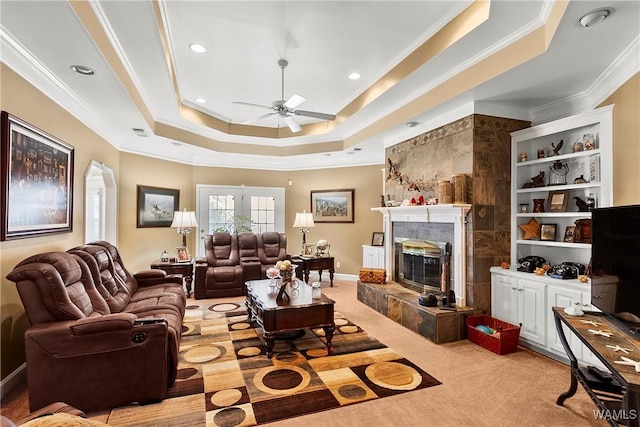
(147, 78)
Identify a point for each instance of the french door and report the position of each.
(236, 209)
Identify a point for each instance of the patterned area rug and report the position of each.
(225, 378)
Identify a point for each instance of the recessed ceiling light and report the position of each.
(412, 124)
(81, 69)
(197, 48)
(594, 17)
(354, 76)
(200, 100)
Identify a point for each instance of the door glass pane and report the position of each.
(221, 212)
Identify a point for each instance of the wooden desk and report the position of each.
(183, 268)
(305, 265)
(300, 311)
(620, 397)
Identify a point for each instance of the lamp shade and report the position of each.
(184, 219)
(303, 220)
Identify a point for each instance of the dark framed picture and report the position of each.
(332, 205)
(570, 234)
(558, 200)
(156, 206)
(377, 239)
(37, 181)
(548, 232)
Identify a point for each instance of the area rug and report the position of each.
(225, 378)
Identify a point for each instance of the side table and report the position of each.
(307, 264)
(183, 268)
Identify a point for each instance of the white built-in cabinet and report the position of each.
(372, 256)
(525, 298)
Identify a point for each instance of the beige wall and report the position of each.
(626, 146)
(25, 102)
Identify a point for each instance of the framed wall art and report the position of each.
(156, 206)
(37, 181)
(332, 205)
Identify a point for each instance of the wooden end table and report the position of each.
(307, 264)
(183, 268)
(300, 311)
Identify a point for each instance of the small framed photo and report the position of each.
(309, 250)
(569, 234)
(548, 232)
(377, 239)
(558, 200)
(182, 255)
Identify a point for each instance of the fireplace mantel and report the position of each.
(454, 213)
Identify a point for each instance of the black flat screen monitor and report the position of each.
(615, 250)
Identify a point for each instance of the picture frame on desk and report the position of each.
(309, 250)
(182, 255)
(37, 181)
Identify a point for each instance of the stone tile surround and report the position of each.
(401, 305)
(478, 146)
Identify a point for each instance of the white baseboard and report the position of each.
(13, 379)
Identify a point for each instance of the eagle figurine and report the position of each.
(581, 204)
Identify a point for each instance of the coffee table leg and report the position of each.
(328, 333)
(269, 339)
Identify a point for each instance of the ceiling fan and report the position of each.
(286, 109)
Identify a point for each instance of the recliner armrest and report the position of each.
(156, 277)
(108, 322)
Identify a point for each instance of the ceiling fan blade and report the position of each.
(257, 119)
(253, 105)
(293, 125)
(315, 115)
(294, 101)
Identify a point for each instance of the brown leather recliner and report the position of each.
(249, 261)
(219, 273)
(272, 247)
(78, 349)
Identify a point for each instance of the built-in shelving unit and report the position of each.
(594, 166)
(526, 298)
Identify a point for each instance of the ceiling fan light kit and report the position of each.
(286, 109)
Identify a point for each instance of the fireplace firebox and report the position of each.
(422, 265)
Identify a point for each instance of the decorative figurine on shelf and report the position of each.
(581, 204)
(164, 257)
(557, 148)
(580, 180)
(536, 181)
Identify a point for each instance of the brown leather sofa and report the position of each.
(230, 260)
(98, 341)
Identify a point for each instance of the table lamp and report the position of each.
(304, 221)
(184, 221)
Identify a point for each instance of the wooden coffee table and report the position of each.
(300, 311)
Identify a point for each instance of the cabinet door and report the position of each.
(504, 304)
(532, 310)
(561, 297)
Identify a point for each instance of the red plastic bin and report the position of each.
(503, 343)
